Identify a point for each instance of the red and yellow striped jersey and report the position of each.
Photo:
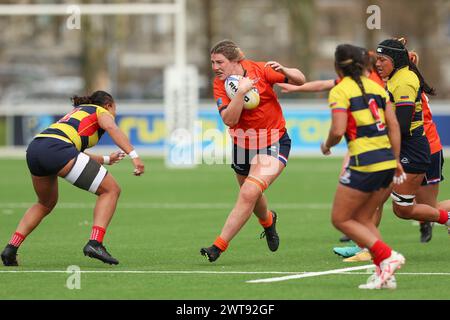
(368, 143)
(79, 127)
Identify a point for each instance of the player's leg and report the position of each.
(345, 238)
(404, 204)
(46, 189)
(260, 209)
(347, 202)
(429, 191)
(89, 175)
(263, 171)
(108, 195)
(358, 253)
(427, 194)
(267, 218)
(352, 214)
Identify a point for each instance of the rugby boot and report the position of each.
(273, 240)
(9, 256)
(95, 249)
(347, 252)
(426, 231)
(211, 253)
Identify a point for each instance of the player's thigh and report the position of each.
(240, 179)
(411, 185)
(347, 201)
(428, 194)
(109, 184)
(376, 200)
(266, 167)
(46, 189)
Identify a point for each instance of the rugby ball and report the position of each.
(251, 98)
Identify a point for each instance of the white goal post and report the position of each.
(181, 79)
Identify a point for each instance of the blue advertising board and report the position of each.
(307, 129)
(146, 129)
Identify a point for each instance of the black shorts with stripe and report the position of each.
(47, 156)
(434, 172)
(415, 155)
(242, 157)
(367, 181)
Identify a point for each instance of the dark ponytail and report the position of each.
(76, 101)
(423, 84)
(100, 98)
(351, 61)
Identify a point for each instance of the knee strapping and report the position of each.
(260, 183)
(86, 174)
(402, 199)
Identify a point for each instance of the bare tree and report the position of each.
(302, 24)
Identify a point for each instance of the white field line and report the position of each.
(296, 274)
(166, 205)
(311, 274)
(149, 271)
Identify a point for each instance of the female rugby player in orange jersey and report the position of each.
(58, 151)
(261, 142)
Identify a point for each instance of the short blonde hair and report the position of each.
(229, 49)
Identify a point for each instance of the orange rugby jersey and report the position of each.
(430, 127)
(374, 76)
(264, 125)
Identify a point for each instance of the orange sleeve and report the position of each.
(220, 95)
(376, 77)
(271, 75)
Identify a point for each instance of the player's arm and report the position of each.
(293, 75)
(111, 159)
(339, 104)
(404, 107)
(337, 130)
(393, 129)
(395, 139)
(232, 113)
(312, 86)
(106, 122)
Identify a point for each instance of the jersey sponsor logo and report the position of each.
(404, 97)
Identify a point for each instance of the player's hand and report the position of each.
(325, 150)
(116, 156)
(287, 87)
(400, 175)
(245, 85)
(138, 167)
(275, 66)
